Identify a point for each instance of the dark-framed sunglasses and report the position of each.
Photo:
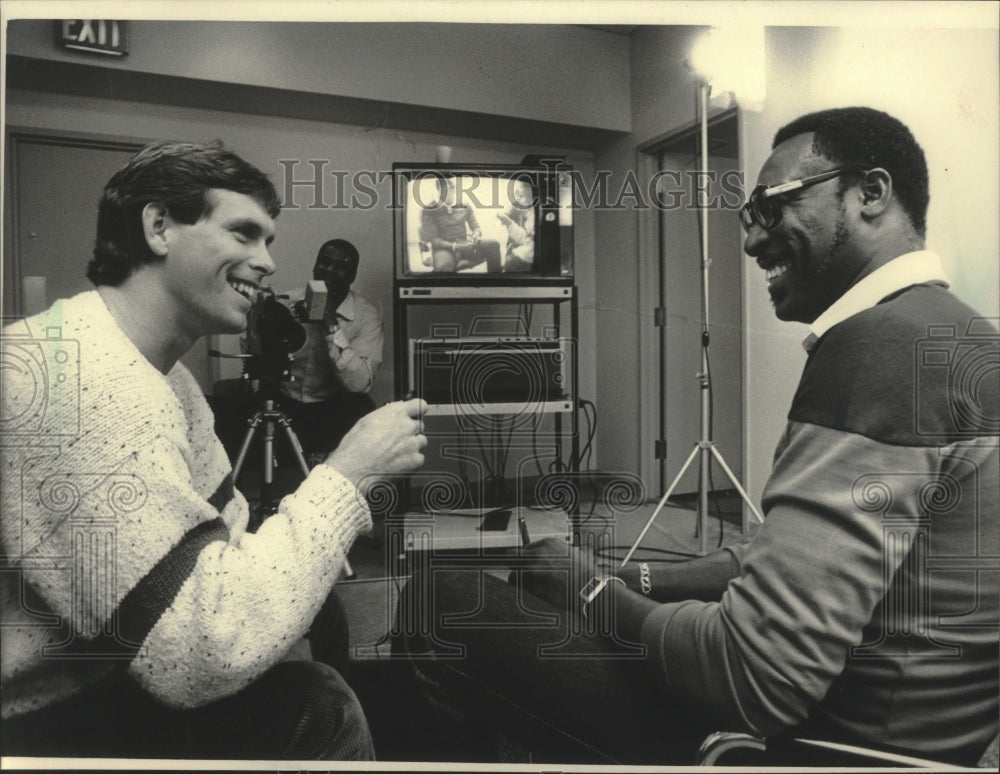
(764, 209)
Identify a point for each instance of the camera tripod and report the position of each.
(267, 417)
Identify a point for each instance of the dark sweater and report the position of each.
(866, 609)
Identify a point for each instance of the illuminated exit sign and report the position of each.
(98, 36)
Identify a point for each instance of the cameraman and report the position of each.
(140, 617)
(334, 370)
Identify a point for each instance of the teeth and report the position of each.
(245, 289)
(776, 271)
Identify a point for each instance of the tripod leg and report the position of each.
(739, 488)
(267, 498)
(704, 465)
(241, 457)
(293, 441)
(663, 501)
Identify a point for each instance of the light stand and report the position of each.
(704, 449)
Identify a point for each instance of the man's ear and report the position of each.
(876, 192)
(154, 226)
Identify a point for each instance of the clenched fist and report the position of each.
(390, 440)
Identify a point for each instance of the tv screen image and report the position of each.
(482, 223)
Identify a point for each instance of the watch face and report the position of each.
(592, 589)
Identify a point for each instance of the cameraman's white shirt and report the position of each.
(344, 354)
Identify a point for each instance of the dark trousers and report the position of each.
(495, 658)
(298, 710)
(467, 256)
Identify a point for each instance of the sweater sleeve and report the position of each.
(247, 599)
(811, 578)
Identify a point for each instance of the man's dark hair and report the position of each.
(868, 138)
(343, 246)
(177, 176)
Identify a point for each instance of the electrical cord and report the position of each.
(584, 456)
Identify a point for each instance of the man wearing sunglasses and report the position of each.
(867, 600)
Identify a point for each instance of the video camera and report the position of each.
(273, 335)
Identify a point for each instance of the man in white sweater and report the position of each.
(140, 617)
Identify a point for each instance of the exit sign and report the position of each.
(98, 36)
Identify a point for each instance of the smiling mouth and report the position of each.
(246, 289)
(777, 271)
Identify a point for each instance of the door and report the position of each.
(56, 183)
(53, 183)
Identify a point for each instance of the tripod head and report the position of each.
(273, 336)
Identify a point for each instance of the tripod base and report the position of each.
(707, 451)
(267, 417)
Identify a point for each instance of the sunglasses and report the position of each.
(764, 208)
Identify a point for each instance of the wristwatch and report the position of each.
(595, 586)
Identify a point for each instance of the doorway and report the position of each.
(675, 273)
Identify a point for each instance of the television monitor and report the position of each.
(483, 224)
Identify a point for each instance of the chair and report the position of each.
(730, 748)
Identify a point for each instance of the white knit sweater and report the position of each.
(126, 537)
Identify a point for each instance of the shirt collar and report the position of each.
(902, 272)
(346, 308)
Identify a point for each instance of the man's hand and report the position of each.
(630, 574)
(561, 572)
(390, 440)
(558, 572)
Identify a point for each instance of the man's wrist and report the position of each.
(348, 466)
(594, 587)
